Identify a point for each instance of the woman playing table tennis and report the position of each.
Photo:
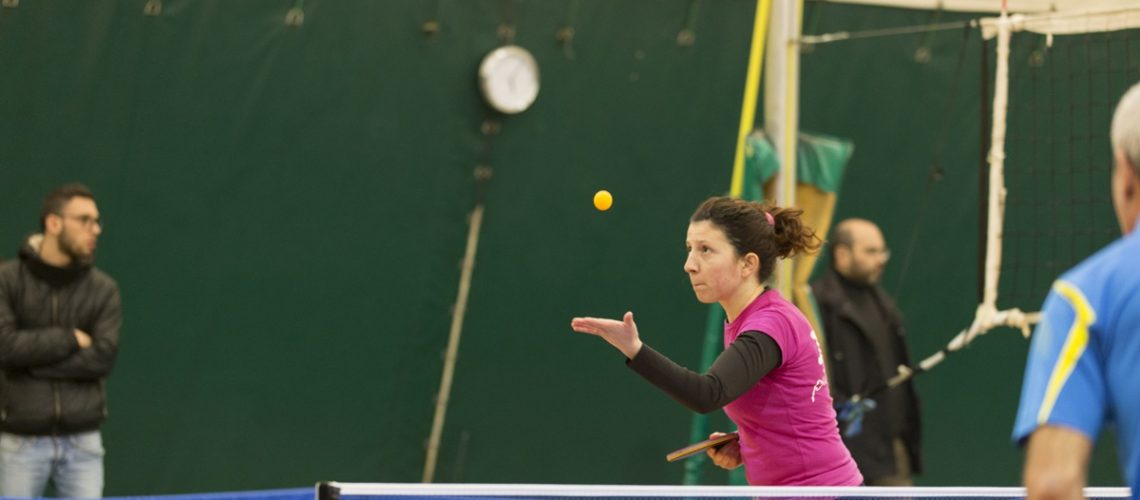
(770, 378)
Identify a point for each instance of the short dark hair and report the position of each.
(843, 237)
(60, 196)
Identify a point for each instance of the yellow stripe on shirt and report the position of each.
(1075, 343)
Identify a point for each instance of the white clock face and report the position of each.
(509, 80)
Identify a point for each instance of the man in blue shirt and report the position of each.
(1084, 360)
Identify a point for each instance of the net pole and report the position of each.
(699, 428)
(781, 111)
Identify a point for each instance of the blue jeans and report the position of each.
(73, 463)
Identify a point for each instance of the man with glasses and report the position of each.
(59, 335)
(865, 346)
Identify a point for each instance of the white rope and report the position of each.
(996, 201)
(985, 319)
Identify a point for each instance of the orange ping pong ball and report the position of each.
(603, 200)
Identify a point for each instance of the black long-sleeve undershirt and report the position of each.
(746, 360)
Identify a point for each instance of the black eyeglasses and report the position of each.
(873, 251)
(86, 221)
(879, 252)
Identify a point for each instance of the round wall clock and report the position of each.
(508, 78)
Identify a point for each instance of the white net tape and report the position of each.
(560, 491)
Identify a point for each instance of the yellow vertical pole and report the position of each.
(751, 90)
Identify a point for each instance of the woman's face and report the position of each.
(714, 268)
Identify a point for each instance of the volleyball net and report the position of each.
(1045, 195)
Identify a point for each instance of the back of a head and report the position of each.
(1126, 127)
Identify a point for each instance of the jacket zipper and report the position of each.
(55, 383)
(103, 392)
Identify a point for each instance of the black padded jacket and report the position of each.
(853, 363)
(48, 384)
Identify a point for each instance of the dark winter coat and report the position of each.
(854, 369)
(48, 384)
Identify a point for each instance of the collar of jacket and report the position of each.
(846, 309)
(54, 276)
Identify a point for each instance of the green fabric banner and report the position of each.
(820, 161)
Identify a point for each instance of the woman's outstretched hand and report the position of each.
(620, 334)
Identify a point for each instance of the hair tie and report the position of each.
(771, 220)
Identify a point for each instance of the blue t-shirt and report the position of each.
(1084, 359)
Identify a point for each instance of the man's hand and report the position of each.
(83, 338)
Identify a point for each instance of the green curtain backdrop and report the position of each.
(287, 207)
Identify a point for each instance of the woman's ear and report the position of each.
(750, 264)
